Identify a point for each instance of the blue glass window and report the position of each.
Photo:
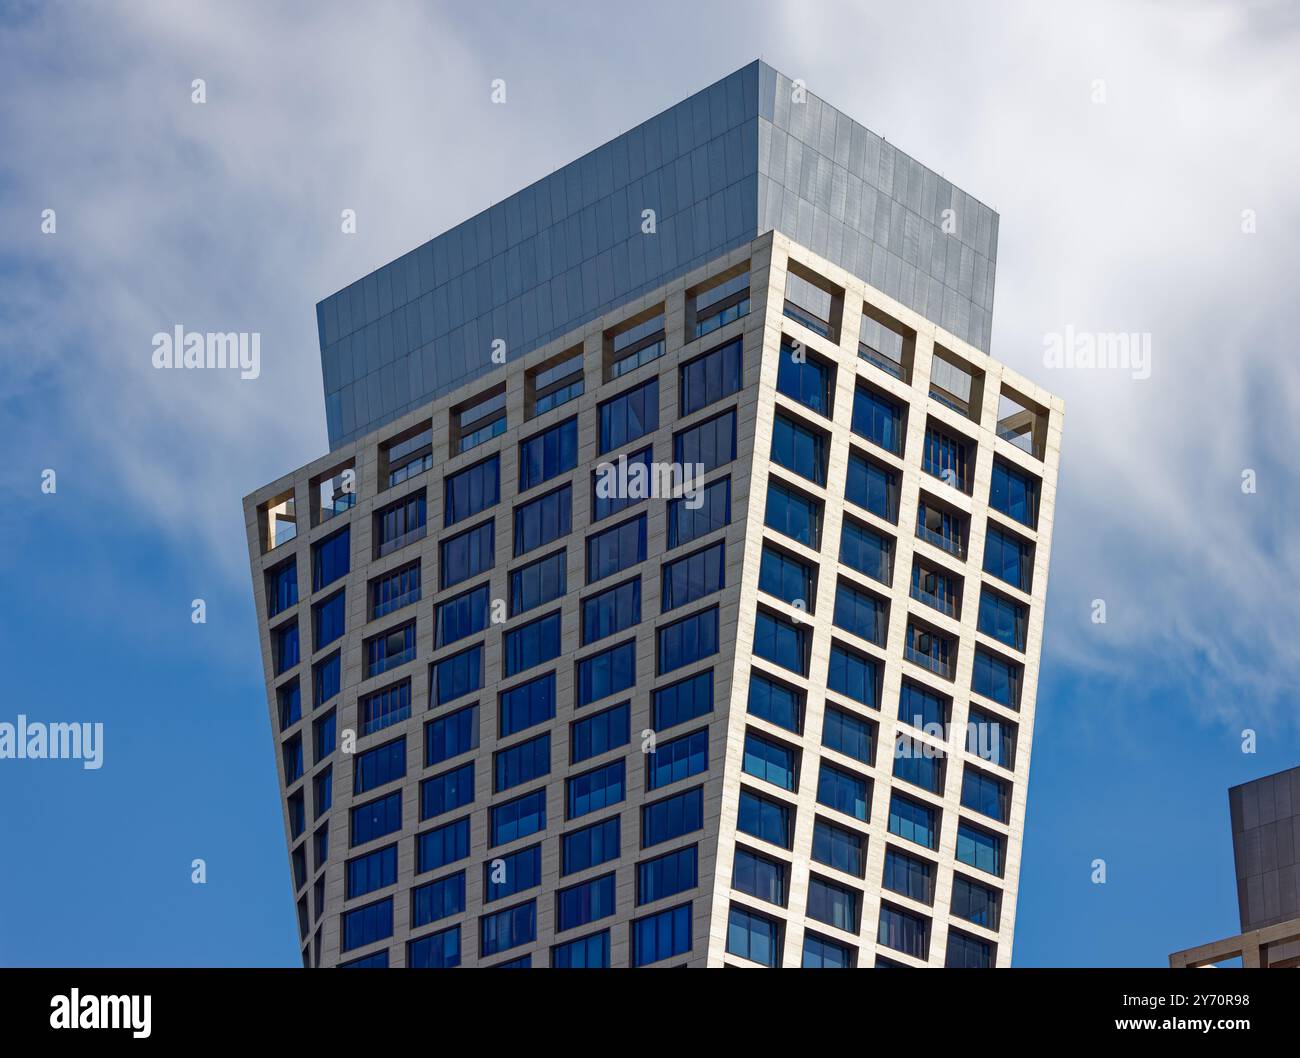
(442, 845)
(707, 445)
(861, 613)
(775, 703)
(948, 459)
(612, 490)
(289, 699)
(327, 618)
(450, 736)
(462, 615)
(986, 794)
(967, 952)
(759, 876)
(326, 679)
(377, 766)
(923, 708)
(780, 642)
(854, 675)
(678, 759)
(281, 587)
(438, 900)
(710, 377)
(330, 559)
(608, 672)
(538, 583)
(787, 578)
(400, 523)
(377, 961)
(628, 416)
(390, 649)
(521, 763)
(872, 487)
(979, 849)
(689, 519)
(548, 453)
(904, 931)
(661, 936)
(585, 953)
(1014, 493)
(526, 704)
(507, 929)
(976, 903)
(374, 870)
(600, 732)
(590, 846)
(867, 551)
(836, 905)
(365, 925)
(913, 821)
(284, 646)
(531, 644)
(376, 818)
(839, 847)
(692, 577)
(518, 818)
(667, 875)
(770, 761)
(611, 611)
(919, 763)
(1003, 619)
(543, 520)
(844, 792)
(458, 675)
(469, 491)
(763, 818)
(616, 549)
(385, 707)
(909, 876)
(587, 902)
(1009, 558)
(325, 731)
(793, 514)
(799, 449)
(324, 790)
(753, 937)
(996, 678)
(467, 554)
(684, 700)
(687, 640)
(439, 950)
(719, 305)
(848, 734)
(447, 792)
(672, 817)
(394, 590)
(822, 954)
(805, 378)
(878, 419)
(593, 790)
(515, 873)
(991, 739)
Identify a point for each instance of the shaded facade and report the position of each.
(1265, 841)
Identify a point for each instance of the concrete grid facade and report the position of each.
(319, 888)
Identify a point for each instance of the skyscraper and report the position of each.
(1265, 815)
(672, 592)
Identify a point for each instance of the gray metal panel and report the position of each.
(735, 160)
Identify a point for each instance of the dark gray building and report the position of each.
(1266, 850)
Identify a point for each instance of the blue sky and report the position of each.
(1117, 216)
